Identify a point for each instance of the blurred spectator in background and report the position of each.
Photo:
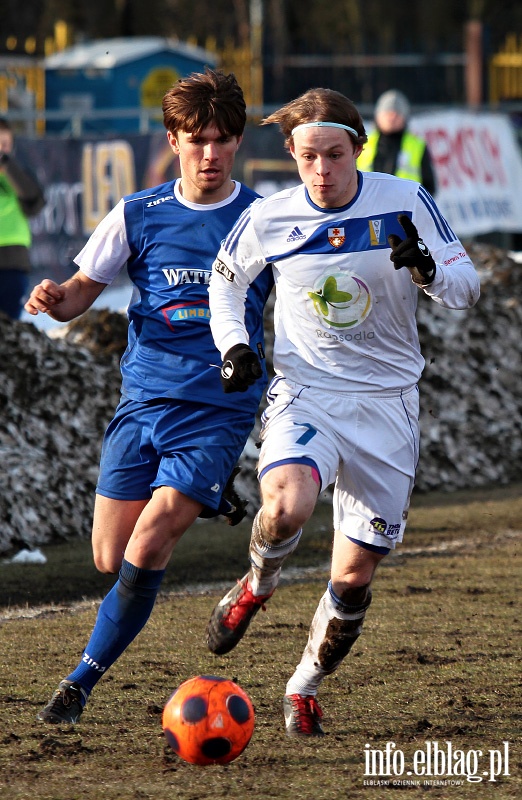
(20, 197)
(392, 148)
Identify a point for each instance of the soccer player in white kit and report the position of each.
(348, 260)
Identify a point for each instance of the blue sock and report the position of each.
(121, 616)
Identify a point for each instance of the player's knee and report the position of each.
(288, 502)
(357, 595)
(354, 595)
(106, 562)
(280, 523)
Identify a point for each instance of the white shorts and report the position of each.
(368, 445)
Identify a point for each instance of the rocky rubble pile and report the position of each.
(56, 398)
(471, 388)
(58, 394)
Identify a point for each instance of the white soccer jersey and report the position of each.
(344, 316)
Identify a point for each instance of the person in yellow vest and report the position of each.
(392, 148)
(20, 197)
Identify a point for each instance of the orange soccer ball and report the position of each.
(208, 720)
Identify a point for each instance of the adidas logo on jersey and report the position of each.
(296, 235)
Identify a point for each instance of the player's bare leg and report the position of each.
(112, 527)
(127, 607)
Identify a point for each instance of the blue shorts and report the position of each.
(191, 447)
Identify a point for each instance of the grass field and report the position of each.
(437, 667)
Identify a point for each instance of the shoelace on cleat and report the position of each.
(307, 711)
(242, 605)
(66, 697)
(63, 698)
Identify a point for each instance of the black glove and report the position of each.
(412, 253)
(241, 368)
(232, 506)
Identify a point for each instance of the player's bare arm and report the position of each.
(64, 301)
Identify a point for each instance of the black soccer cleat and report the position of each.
(302, 715)
(65, 706)
(232, 616)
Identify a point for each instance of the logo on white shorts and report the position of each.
(381, 527)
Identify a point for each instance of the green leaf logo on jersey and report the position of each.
(341, 300)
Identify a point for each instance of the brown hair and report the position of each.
(201, 99)
(318, 105)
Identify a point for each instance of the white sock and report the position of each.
(266, 559)
(334, 629)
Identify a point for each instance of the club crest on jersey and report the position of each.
(336, 237)
(377, 232)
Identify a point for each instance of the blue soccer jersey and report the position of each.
(168, 245)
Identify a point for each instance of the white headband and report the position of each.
(325, 125)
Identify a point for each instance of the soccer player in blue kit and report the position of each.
(346, 251)
(175, 437)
